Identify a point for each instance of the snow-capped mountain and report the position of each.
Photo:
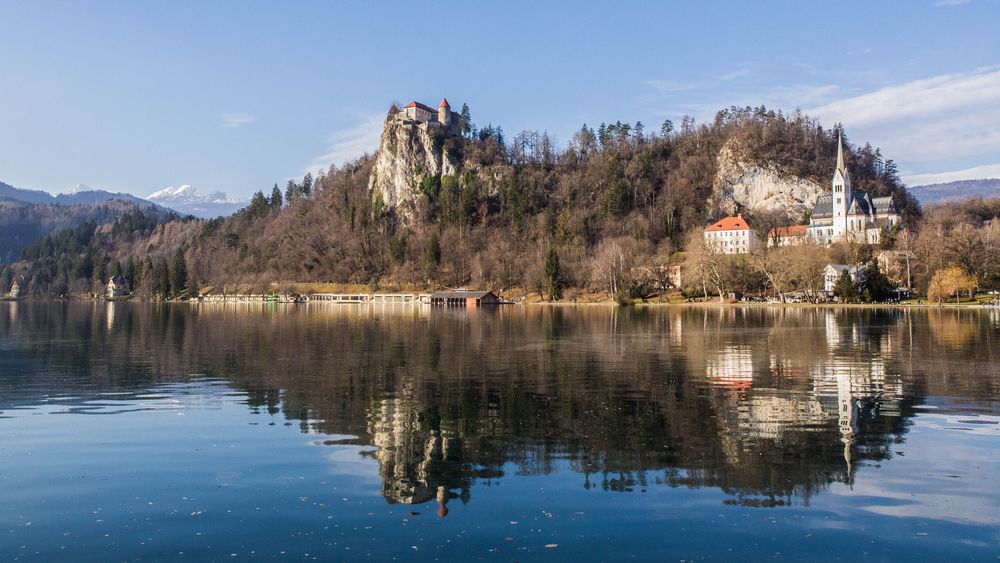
(188, 200)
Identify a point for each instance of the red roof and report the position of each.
(729, 224)
(419, 105)
(444, 102)
(790, 231)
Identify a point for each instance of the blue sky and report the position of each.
(234, 96)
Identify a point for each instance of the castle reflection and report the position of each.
(770, 406)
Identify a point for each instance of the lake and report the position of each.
(159, 432)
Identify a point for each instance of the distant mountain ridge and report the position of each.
(933, 193)
(187, 199)
(80, 195)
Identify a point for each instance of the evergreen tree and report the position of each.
(6, 277)
(467, 125)
(845, 289)
(666, 128)
(178, 273)
(276, 200)
(291, 192)
(876, 285)
(432, 257)
(307, 184)
(553, 275)
(258, 205)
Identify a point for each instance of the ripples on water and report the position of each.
(589, 433)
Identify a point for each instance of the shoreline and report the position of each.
(532, 303)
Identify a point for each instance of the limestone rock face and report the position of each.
(740, 183)
(409, 152)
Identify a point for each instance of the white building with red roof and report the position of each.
(731, 235)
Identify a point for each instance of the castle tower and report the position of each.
(444, 113)
(841, 192)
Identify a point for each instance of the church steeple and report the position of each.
(841, 167)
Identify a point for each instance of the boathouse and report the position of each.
(464, 298)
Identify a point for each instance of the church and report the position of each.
(846, 215)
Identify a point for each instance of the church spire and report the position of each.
(840, 155)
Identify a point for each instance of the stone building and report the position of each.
(442, 118)
(850, 215)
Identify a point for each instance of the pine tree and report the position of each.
(178, 273)
(845, 289)
(666, 128)
(467, 126)
(307, 184)
(553, 275)
(432, 257)
(276, 201)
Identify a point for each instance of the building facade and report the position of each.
(118, 286)
(832, 273)
(442, 118)
(731, 235)
(845, 214)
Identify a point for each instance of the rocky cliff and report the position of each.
(408, 153)
(744, 184)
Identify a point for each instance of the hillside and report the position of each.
(22, 223)
(934, 193)
(436, 209)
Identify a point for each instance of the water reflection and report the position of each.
(770, 406)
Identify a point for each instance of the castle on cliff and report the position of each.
(416, 113)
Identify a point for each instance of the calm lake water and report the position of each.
(194, 433)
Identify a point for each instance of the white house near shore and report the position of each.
(832, 273)
(731, 235)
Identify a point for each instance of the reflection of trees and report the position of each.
(766, 404)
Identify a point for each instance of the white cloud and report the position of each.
(951, 2)
(347, 144)
(237, 119)
(974, 173)
(939, 122)
(937, 95)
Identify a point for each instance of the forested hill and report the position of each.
(490, 222)
(22, 223)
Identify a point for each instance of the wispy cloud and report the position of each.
(926, 124)
(671, 86)
(919, 98)
(237, 119)
(951, 2)
(347, 144)
(740, 73)
(974, 173)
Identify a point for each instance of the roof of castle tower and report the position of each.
(444, 103)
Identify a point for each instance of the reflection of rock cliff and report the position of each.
(624, 398)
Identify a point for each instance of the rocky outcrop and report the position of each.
(408, 153)
(741, 184)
